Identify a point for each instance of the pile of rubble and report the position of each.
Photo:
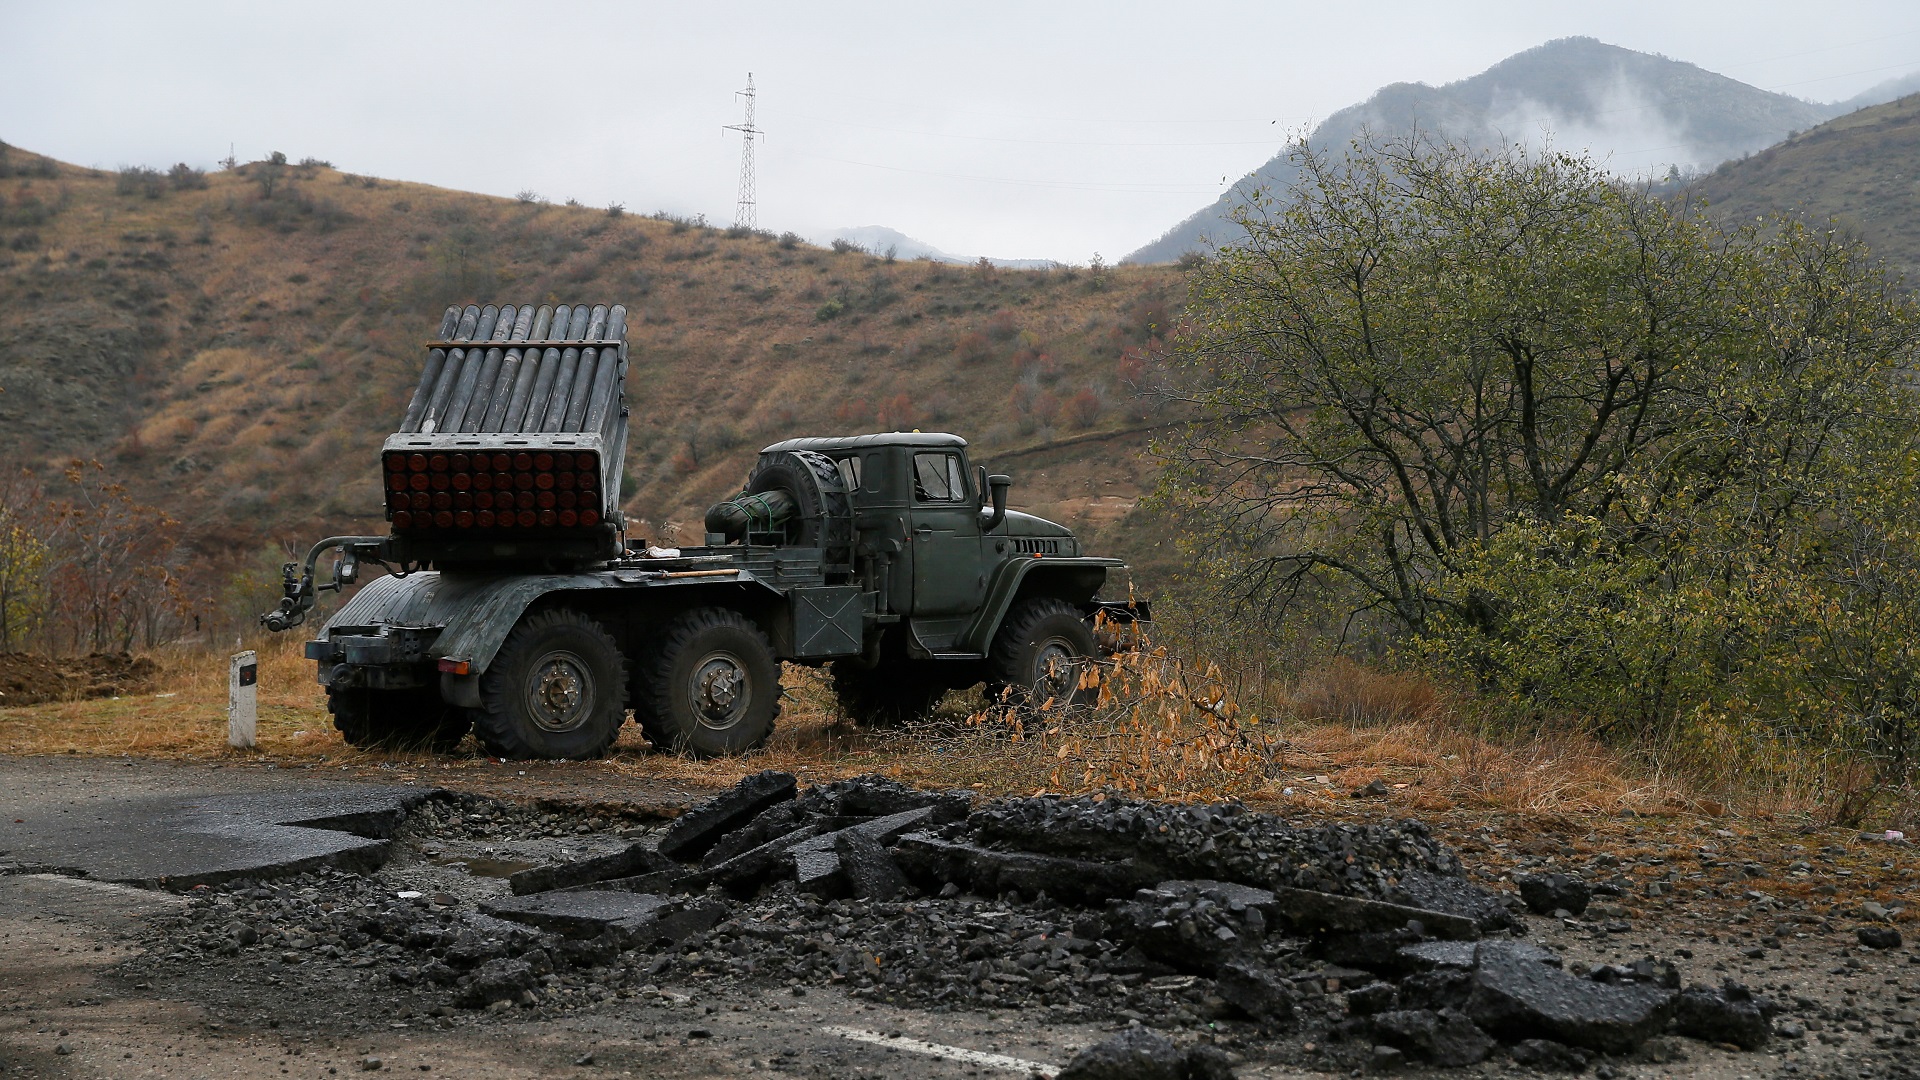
(1086, 908)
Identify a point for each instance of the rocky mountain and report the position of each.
(1640, 113)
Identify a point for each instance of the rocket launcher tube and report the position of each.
(448, 374)
(516, 409)
(562, 387)
(508, 378)
(477, 362)
(475, 413)
(436, 360)
(549, 368)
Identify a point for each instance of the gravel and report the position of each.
(1209, 940)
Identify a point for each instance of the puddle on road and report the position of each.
(493, 868)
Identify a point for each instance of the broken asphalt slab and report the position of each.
(632, 861)
(693, 832)
(180, 841)
(635, 920)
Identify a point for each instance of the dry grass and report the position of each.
(320, 332)
(1162, 730)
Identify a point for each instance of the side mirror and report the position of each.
(998, 484)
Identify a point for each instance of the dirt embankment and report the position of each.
(28, 679)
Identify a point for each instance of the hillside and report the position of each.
(1641, 110)
(234, 346)
(1861, 170)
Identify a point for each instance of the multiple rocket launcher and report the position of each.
(516, 433)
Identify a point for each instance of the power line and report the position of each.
(745, 214)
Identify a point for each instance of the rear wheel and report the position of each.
(554, 690)
(1040, 655)
(397, 719)
(714, 687)
(888, 694)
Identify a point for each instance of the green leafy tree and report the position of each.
(1571, 441)
(25, 559)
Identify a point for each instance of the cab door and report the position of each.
(947, 558)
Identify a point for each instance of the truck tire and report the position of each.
(714, 687)
(555, 689)
(397, 719)
(1039, 655)
(887, 695)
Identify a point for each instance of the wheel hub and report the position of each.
(560, 694)
(720, 691)
(1056, 672)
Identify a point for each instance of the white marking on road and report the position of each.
(951, 1053)
(113, 887)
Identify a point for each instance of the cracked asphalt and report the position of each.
(81, 995)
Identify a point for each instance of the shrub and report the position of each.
(1002, 326)
(185, 177)
(1046, 407)
(140, 180)
(898, 413)
(1083, 408)
(973, 347)
(1147, 318)
(27, 209)
(830, 310)
(528, 197)
(789, 241)
(312, 162)
(616, 210)
(846, 247)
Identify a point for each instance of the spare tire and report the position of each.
(823, 515)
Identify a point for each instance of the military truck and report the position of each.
(516, 606)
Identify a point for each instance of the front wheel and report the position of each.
(554, 690)
(1041, 655)
(714, 687)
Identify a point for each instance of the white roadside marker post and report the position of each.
(243, 672)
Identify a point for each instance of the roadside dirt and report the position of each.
(30, 679)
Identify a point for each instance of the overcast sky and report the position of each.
(1024, 129)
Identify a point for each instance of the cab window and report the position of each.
(849, 473)
(937, 478)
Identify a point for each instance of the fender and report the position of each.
(1012, 574)
(474, 612)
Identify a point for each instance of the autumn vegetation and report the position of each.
(1577, 451)
(1485, 476)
